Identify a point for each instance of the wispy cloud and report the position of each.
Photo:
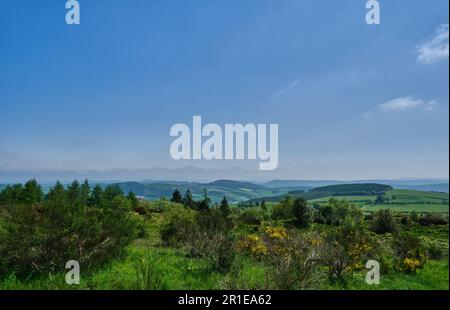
(366, 115)
(285, 90)
(406, 103)
(436, 49)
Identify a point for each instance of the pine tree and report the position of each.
(96, 196)
(73, 192)
(188, 201)
(224, 207)
(301, 212)
(32, 192)
(85, 191)
(133, 200)
(176, 197)
(203, 205)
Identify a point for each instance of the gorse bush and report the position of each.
(293, 260)
(41, 235)
(344, 248)
(410, 252)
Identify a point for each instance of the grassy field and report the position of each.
(400, 200)
(418, 207)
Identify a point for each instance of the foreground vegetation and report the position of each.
(185, 243)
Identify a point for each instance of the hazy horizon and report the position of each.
(187, 173)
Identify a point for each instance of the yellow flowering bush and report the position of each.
(252, 244)
(276, 232)
(411, 264)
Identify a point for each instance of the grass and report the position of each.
(176, 271)
(434, 276)
(408, 208)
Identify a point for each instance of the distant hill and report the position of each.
(359, 189)
(305, 184)
(434, 185)
(235, 191)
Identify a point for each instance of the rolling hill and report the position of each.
(235, 191)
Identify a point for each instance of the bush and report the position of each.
(177, 224)
(291, 257)
(413, 216)
(409, 251)
(432, 219)
(435, 249)
(384, 222)
(283, 210)
(292, 261)
(251, 216)
(344, 248)
(40, 238)
(212, 240)
(337, 211)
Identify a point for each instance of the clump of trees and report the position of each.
(335, 212)
(295, 210)
(40, 233)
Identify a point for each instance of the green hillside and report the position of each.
(400, 200)
(366, 190)
(235, 191)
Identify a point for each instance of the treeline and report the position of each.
(40, 232)
(363, 189)
(203, 204)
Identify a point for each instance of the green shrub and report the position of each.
(251, 216)
(337, 211)
(344, 248)
(432, 219)
(177, 224)
(435, 249)
(213, 240)
(283, 210)
(409, 252)
(413, 216)
(384, 222)
(292, 261)
(40, 238)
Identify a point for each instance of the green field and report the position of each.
(401, 200)
(439, 208)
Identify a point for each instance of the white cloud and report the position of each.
(436, 49)
(285, 90)
(406, 103)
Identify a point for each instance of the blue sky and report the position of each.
(352, 101)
